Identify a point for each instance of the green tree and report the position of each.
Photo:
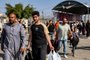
(20, 10)
(27, 11)
(9, 8)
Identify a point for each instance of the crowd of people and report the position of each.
(41, 36)
(65, 30)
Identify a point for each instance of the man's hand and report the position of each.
(22, 49)
(51, 47)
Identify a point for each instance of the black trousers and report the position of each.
(88, 32)
(39, 53)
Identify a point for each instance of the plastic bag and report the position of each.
(53, 56)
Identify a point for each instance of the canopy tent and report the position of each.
(72, 6)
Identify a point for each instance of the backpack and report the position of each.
(75, 39)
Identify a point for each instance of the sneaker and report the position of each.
(65, 56)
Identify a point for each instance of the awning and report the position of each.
(74, 7)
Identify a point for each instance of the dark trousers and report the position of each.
(39, 53)
(88, 32)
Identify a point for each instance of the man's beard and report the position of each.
(11, 22)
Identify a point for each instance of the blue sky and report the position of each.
(40, 5)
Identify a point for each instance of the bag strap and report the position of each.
(52, 51)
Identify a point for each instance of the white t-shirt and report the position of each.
(63, 32)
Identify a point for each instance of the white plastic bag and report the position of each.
(53, 56)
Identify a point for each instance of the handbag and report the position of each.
(28, 55)
(53, 56)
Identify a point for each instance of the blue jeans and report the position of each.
(64, 42)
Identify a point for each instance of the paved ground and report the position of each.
(81, 53)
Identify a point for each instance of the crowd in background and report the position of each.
(77, 28)
(54, 34)
(82, 28)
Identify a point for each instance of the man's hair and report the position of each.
(35, 13)
(13, 13)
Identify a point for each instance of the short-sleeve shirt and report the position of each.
(38, 35)
(63, 32)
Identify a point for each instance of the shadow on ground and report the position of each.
(83, 37)
(84, 47)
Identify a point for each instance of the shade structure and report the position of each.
(72, 6)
